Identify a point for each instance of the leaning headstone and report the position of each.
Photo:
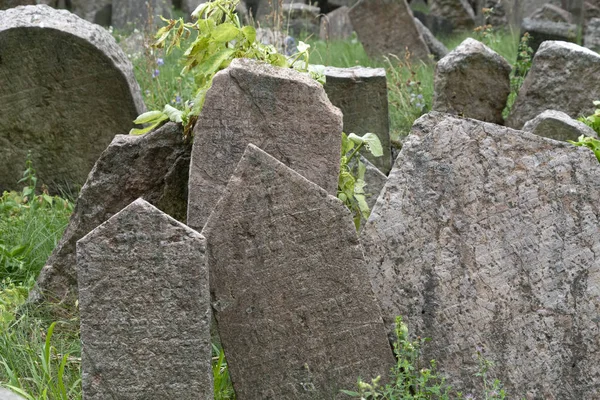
(154, 166)
(296, 315)
(361, 94)
(558, 126)
(563, 77)
(139, 14)
(486, 236)
(591, 40)
(286, 112)
(64, 96)
(472, 81)
(542, 30)
(336, 25)
(144, 306)
(458, 12)
(387, 27)
(435, 47)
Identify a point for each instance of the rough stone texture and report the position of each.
(144, 305)
(374, 178)
(558, 126)
(361, 94)
(131, 14)
(6, 4)
(64, 96)
(154, 166)
(563, 77)
(97, 11)
(6, 394)
(472, 81)
(336, 25)
(486, 236)
(459, 12)
(435, 47)
(296, 315)
(591, 40)
(387, 26)
(286, 112)
(542, 31)
(550, 12)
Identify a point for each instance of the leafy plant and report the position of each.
(351, 185)
(593, 121)
(486, 33)
(519, 71)
(589, 142)
(222, 381)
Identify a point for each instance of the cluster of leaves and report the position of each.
(219, 38)
(519, 71)
(486, 33)
(593, 121)
(351, 183)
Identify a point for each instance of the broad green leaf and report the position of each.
(370, 140)
(225, 33)
(362, 168)
(213, 63)
(200, 10)
(173, 113)
(249, 33)
(147, 117)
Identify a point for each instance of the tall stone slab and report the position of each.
(336, 25)
(361, 94)
(97, 11)
(65, 95)
(295, 313)
(563, 77)
(145, 308)
(472, 81)
(487, 236)
(387, 26)
(132, 14)
(458, 12)
(154, 166)
(287, 113)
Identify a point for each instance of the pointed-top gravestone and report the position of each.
(283, 111)
(296, 314)
(144, 308)
(66, 89)
(488, 236)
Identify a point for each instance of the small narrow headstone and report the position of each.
(361, 94)
(287, 113)
(336, 25)
(145, 308)
(458, 12)
(387, 26)
(67, 90)
(295, 312)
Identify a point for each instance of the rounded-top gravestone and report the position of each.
(66, 89)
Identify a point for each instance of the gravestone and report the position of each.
(144, 306)
(98, 11)
(486, 236)
(458, 12)
(591, 40)
(154, 166)
(136, 14)
(295, 313)
(558, 126)
(387, 26)
(361, 94)
(436, 48)
(6, 4)
(563, 77)
(64, 96)
(284, 111)
(551, 12)
(472, 81)
(336, 25)
(543, 30)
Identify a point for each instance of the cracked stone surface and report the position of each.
(145, 308)
(284, 112)
(487, 236)
(154, 166)
(296, 315)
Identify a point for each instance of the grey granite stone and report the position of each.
(558, 126)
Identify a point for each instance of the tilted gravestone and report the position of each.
(361, 95)
(487, 236)
(458, 12)
(558, 126)
(145, 308)
(574, 73)
(296, 315)
(287, 113)
(154, 166)
(387, 26)
(543, 30)
(132, 14)
(65, 95)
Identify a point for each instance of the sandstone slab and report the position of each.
(558, 126)
(487, 236)
(555, 82)
(295, 317)
(64, 96)
(472, 81)
(144, 305)
(591, 40)
(361, 94)
(287, 113)
(154, 166)
(387, 26)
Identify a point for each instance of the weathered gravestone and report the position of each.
(387, 26)
(336, 25)
(131, 14)
(145, 308)
(67, 90)
(472, 81)
(487, 236)
(543, 30)
(287, 113)
(154, 166)
(97, 11)
(558, 126)
(458, 12)
(436, 48)
(361, 95)
(563, 77)
(296, 315)
(591, 40)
